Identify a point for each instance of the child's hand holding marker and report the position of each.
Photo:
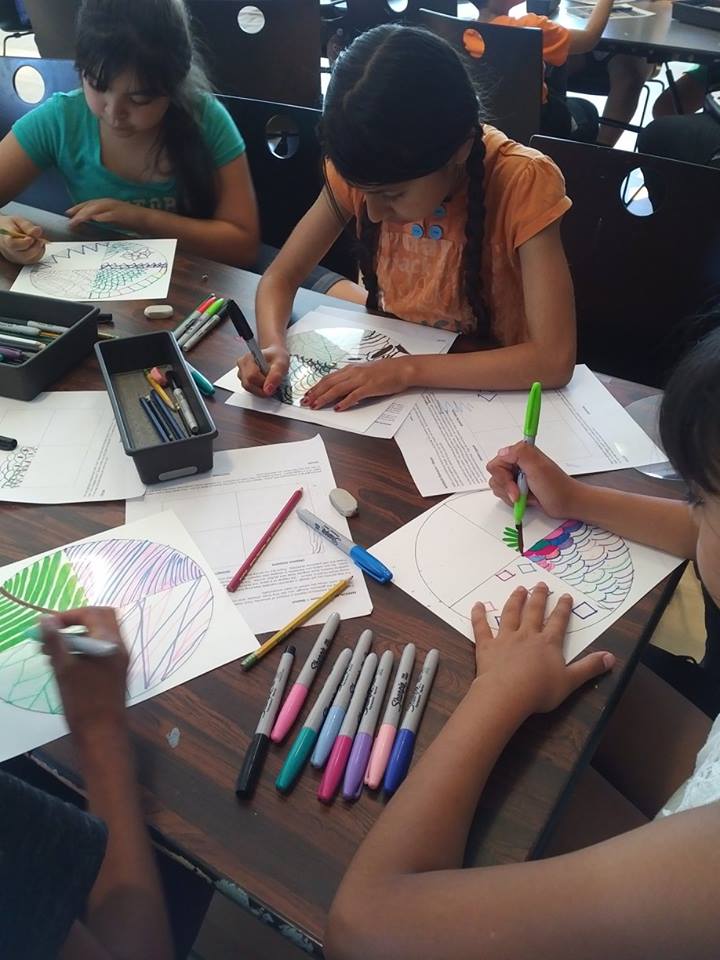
(557, 494)
(254, 380)
(21, 241)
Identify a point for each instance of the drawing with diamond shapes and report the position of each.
(163, 600)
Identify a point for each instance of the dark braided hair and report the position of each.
(399, 106)
(152, 38)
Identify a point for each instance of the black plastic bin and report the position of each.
(122, 364)
(700, 13)
(24, 381)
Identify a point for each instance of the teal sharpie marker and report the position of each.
(532, 418)
(302, 747)
(359, 555)
(204, 385)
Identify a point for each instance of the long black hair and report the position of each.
(690, 414)
(400, 104)
(153, 39)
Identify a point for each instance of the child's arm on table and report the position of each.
(405, 894)
(658, 522)
(585, 40)
(547, 355)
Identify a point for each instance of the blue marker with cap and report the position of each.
(336, 714)
(404, 745)
(359, 555)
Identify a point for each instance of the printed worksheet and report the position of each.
(68, 450)
(450, 435)
(101, 270)
(457, 554)
(227, 512)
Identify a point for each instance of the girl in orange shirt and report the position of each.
(458, 227)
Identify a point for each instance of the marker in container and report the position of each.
(336, 714)
(21, 343)
(404, 745)
(362, 745)
(182, 404)
(359, 555)
(256, 752)
(335, 767)
(388, 728)
(77, 640)
(52, 327)
(297, 696)
(239, 321)
(305, 741)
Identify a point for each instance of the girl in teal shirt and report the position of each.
(143, 146)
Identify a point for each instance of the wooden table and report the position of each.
(284, 857)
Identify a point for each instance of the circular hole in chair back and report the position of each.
(283, 136)
(251, 19)
(642, 192)
(29, 84)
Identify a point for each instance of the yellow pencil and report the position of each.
(252, 658)
(160, 392)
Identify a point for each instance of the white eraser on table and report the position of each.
(344, 502)
(159, 311)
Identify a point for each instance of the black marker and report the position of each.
(243, 328)
(7, 443)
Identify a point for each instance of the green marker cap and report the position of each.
(296, 759)
(532, 411)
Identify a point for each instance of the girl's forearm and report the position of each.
(214, 239)
(273, 307)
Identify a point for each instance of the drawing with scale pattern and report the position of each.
(104, 270)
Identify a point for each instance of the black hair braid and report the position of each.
(471, 266)
(368, 238)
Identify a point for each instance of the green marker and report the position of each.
(532, 418)
(300, 751)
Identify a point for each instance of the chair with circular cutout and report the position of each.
(639, 280)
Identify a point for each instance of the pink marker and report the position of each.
(300, 689)
(383, 745)
(335, 767)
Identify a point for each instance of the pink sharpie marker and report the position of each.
(388, 729)
(300, 689)
(360, 753)
(340, 752)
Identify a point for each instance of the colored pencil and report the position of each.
(163, 394)
(264, 540)
(160, 428)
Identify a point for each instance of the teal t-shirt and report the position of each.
(63, 133)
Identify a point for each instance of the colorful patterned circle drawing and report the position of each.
(100, 271)
(163, 600)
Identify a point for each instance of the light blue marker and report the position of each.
(336, 714)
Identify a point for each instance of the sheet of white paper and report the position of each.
(450, 435)
(68, 450)
(176, 620)
(101, 270)
(582, 9)
(228, 511)
(452, 556)
(382, 418)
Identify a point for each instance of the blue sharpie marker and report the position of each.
(404, 745)
(359, 555)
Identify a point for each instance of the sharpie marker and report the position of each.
(238, 320)
(388, 728)
(192, 317)
(77, 640)
(336, 714)
(256, 752)
(360, 753)
(182, 404)
(340, 752)
(297, 696)
(305, 741)
(404, 745)
(204, 385)
(359, 555)
(201, 321)
(201, 330)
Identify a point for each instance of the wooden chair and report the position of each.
(285, 160)
(58, 76)
(639, 281)
(54, 27)
(509, 74)
(280, 61)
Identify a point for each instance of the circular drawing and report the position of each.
(163, 601)
(104, 270)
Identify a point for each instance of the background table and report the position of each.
(283, 857)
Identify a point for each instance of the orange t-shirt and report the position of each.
(419, 264)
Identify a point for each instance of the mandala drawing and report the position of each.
(99, 271)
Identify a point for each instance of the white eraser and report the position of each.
(159, 311)
(344, 502)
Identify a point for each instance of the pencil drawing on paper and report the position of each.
(316, 353)
(103, 270)
(163, 600)
(596, 565)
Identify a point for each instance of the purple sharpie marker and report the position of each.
(362, 745)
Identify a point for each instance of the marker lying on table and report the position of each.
(300, 689)
(257, 751)
(252, 658)
(362, 745)
(305, 741)
(239, 321)
(359, 555)
(217, 304)
(404, 745)
(204, 385)
(532, 418)
(77, 641)
(336, 714)
(388, 728)
(201, 330)
(8, 443)
(337, 761)
(192, 317)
